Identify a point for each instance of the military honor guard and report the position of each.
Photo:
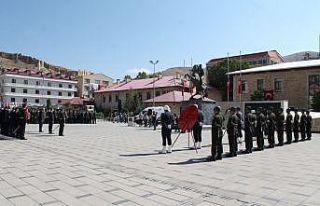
(303, 122)
(296, 124)
(289, 121)
(216, 135)
(232, 127)
(280, 125)
(261, 124)
(308, 125)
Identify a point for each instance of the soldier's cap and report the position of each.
(288, 110)
(217, 108)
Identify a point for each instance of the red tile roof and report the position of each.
(136, 84)
(173, 97)
(271, 53)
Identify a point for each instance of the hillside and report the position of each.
(300, 56)
(174, 70)
(18, 60)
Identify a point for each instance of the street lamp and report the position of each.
(154, 74)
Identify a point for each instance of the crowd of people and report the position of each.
(255, 124)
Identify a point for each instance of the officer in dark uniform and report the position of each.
(280, 125)
(22, 121)
(303, 122)
(166, 122)
(61, 120)
(261, 124)
(12, 122)
(232, 127)
(271, 124)
(216, 135)
(50, 117)
(289, 119)
(308, 125)
(249, 122)
(296, 125)
(240, 122)
(41, 118)
(5, 121)
(197, 128)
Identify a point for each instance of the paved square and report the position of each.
(112, 164)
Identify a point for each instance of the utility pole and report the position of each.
(154, 74)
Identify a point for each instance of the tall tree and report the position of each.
(133, 103)
(217, 75)
(127, 77)
(142, 75)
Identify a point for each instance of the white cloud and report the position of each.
(134, 72)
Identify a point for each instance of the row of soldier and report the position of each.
(13, 120)
(72, 116)
(258, 124)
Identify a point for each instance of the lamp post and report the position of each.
(154, 74)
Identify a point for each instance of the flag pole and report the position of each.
(240, 80)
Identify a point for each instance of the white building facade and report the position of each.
(34, 90)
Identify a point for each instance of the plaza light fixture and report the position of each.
(154, 74)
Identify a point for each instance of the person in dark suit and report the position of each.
(308, 125)
(50, 117)
(41, 118)
(197, 129)
(289, 119)
(296, 120)
(166, 123)
(61, 121)
(280, 124)
(303, 123)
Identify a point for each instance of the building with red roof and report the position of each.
(114, 97)
(253, 59)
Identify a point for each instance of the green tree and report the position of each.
(133, 103)
(316, 102)
(49, 103)
(142, 75)
(218, 78)
(127, 77)
(257, 95)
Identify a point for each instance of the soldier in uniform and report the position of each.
(22, 121)
(261, 120)
(296, 125)
(249, 126)
(303, 122)
(41, 118)
(197, 128)
(166, 122)
(308, 125)
(289, 119)
(271, 124)
(280, 124)
(61, 120)
(240, 122)
(232, 126)
(216, 135)
(50, 117)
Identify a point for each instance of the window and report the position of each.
(13, 99)
(13, 81)
(70, 86)
(104, 99)
(48, 92)
(13, 90)
(117, 98)
(163, 92)
(59, 101)
(87, 81)
(157, 93)
(106, 83)
(60, 93)
(97, 81)
(25, 81)
(49, 84)
(37, 83)
(244, 86)
(37, 91)
(69, 94)
(277, 85)
(260, 61)
(24, 100)
(36, 101)
(110, 98)
(60, 85)
(25, 91)
(264, 61)
(148, 95)
(260, 84)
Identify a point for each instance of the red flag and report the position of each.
(228, 88)
(182, 88)
(239, 87)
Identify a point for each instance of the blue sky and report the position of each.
(119, 37)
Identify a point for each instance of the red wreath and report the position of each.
(188, 118)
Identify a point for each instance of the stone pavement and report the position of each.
(112, 164)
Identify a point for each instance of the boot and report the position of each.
(199, 145)
(163, 151)
(169, 149)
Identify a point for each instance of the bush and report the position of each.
(257, 95)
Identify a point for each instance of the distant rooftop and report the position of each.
(136, 84)
(280, 66)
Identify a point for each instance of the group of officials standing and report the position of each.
(258, 124)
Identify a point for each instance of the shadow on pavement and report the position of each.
(190, 161)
